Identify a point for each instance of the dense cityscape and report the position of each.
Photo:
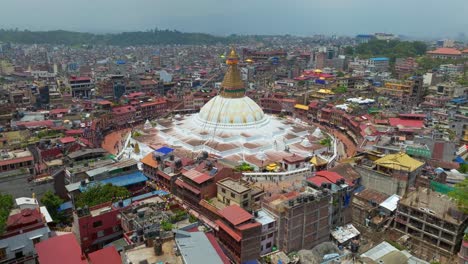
(170, 147)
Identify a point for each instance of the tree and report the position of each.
(98, 194)
(460, 194)
(52, 202)
(327, 142)
(243, 167)
(6, 204)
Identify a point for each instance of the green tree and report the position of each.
(52, 202)
(340, 74)
(6, 204)
(327, 142)
(460, 194)
(244, 167)
(98, 194)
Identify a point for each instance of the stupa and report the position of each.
(234, 127)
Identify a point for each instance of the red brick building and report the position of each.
(239, 234)
(124, 115)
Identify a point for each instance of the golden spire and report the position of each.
(232, 85)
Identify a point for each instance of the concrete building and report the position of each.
(341, 191)
(96, 226)
(302, 218)
(379, 64)
(389, 174)
(444, 53)
(81, 87)
(432, 221)
(232, 192)
(23, 230)
(269, 231)
(20, 159)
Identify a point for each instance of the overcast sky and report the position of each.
(296, 17)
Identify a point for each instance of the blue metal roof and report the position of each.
(164, 150)
(129, 201)
(126, 180)
(379, 59)
(65, 206)
(458, 100)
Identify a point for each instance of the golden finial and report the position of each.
(232, 58)
(33, 195)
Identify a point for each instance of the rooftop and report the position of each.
(399, 161)
(234, 185)
(445, 51)
(195, 248)
(107, 255)
(60, 249)
(345, 233)
(433, 203)
(235, 214)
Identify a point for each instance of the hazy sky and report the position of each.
(298, 17)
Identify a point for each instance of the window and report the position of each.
(36, 240)
(97, 224)
(2, 253)
(233, 195)
(270, 225)
(100, 233)
(270, 235)
(19, 254)
(246, 196)
(245, 204)
(116, 228)
(263, 238)
(268, 245)
(223, 190)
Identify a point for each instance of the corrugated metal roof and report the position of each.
(126, 180)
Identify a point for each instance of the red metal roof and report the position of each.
(184, 185)
(394, 122)
(235, 214)
(24, 218)
(58, 111)
(124, 109)
(159, 101)
(413, 115)
(229, 230)
(445, 51)
(74, 132)
(59, 250)
(81, 78)
(67, 140)
(16, 160)
(248, 226)
(45, 123)
(107, 255)
(196, 176)
(104, 102)
(326, 177)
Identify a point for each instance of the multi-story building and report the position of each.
(379, 64)
(152, 109)
(238, 192)
(444, 53)
(449, 89)
(405, 66)
(410, 90)
(125, 115)
(96, 226)
(269, 231)
(200, 182)
(23, 230)
(239, 234)
(341, 191)
(433, 222)
(81, 87)
(20, 159)
(389, 174)
(302, 218)
(463, 253)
